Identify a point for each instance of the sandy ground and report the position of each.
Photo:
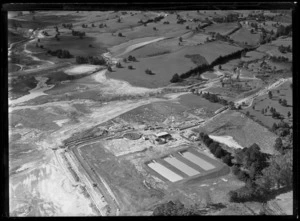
(61, 122)
(119, 87)
(81, 69)
(45, 191)
(35, 92)
(227, 140)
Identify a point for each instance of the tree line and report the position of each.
(214, 98)
(90, 60)
(205, 67)
(60, 53)
(216, 149)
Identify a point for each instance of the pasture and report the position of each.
(262, 102)
(221, 28)
(244, 36)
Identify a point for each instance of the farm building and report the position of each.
(163, 135)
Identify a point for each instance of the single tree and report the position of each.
(175, 78)
(270, 95)
(278, 144)
(289, 114)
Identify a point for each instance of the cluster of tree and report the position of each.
(45, 33)
(286, 49)
(60, 53)
(90, 60)
(274, 113)
(78, 33)
(279, 59)
(250, 162)
(181, 21)
(170, 209)
(69, 26)
(284, 30)
(120, 34)
(232, 17)
(149, 72)
(266, 37)
(119, 65)
(176, 208)
(166, 22)
(257, 16)
(214, 98)
(216, 149)
(102, 25)
(283, 102)
(279, 173)
(131, 58)
(155, 20)
(84, 25)
(282, 129)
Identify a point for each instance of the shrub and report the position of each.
(148, 71)
(130, 67)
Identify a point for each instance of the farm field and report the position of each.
(222, 29)
(166, 65)
(163, 67)
(243, 35)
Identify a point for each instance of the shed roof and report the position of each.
(162, 134)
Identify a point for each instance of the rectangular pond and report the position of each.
(198, 161)
(165, 172)
(181, 166)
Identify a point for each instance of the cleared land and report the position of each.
(244, 130)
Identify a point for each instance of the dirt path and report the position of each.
(30, 53)
(33, 93)
(262, 92)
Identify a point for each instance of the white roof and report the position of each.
(161, 134)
